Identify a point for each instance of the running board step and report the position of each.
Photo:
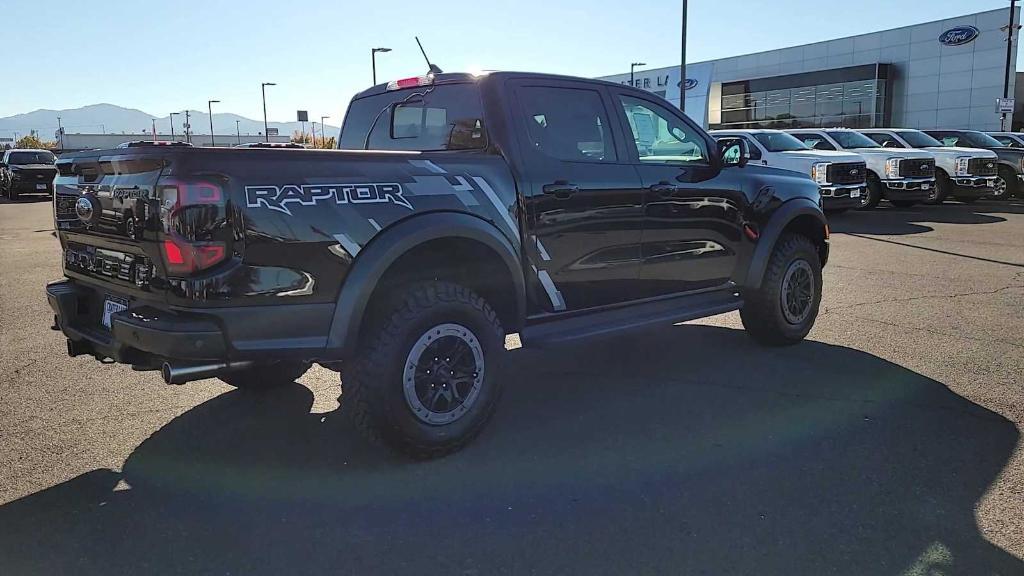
(632, 317)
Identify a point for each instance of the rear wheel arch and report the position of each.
(447, 246)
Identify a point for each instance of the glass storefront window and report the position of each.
(857, 103)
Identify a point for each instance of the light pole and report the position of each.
(373, 62)
(238, 133)
(682, 63)
(209, 109)
(60, 133)
(631, 68)
(1010, 29)
(323, 132)
(263, 87)
(171, 116)
(188, 127)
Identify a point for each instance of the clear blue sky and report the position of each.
(162, 56)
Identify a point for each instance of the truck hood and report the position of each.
(891, 152)
(33, 167)
(822, 155)
(961, 151)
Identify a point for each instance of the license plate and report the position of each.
(40, 186)
(112, 306)
(854, 193)
(925, 186)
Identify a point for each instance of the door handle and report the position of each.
(561, 189)
(664, 189)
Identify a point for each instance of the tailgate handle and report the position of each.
(664, 189)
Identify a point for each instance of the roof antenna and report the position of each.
(432, 67)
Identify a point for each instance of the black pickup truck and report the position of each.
(460, 209)
(26, 170)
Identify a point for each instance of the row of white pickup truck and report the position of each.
(859, 168)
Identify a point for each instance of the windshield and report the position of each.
(779, 142)
(980, 140)
(919, 139)
(850, 139)
(41, 157)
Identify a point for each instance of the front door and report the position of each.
(693, 212)
(583, 201)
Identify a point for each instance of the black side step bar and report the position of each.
(632, 317)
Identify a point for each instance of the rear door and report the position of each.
(583, 200)
(691, 217)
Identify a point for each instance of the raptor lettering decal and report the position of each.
(279, 197)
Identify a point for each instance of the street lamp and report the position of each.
(323, 132)
(373, 61)
(263, 88)
(209, 109)
(60, 133)
(238, 133)
(633, 67)
(171, 116)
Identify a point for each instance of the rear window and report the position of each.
(429, 118)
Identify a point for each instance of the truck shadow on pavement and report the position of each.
(686, 450)
(889, 220)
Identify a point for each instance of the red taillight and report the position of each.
(193, 213)
(183, 258)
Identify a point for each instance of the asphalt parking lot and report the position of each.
(888, 443)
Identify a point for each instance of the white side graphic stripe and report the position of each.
(502, 210)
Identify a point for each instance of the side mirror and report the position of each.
(733, 152)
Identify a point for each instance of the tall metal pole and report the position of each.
(266, 129)
(171, 116)
(60, 134)
(209, 109)
(373, 64)
(188, 127)
(238, 133)
(323, 131)
(682, 64)
(1009, 55)
(632, 67)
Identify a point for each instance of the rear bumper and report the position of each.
(146, 335)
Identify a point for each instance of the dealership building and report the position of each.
(943, 74)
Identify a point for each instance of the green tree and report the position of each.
(33, 141)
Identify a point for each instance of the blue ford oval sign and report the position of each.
(690, 84)
(958, 36)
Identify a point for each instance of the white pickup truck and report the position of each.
(959, 172)
(903, 177)
(841, 176)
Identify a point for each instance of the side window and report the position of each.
(884, 140)
(1007, 141)
(567, 123)
(755, 151)
(947, 138)
(660, 136)
(815, 141)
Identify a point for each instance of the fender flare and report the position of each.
(389, 245)
(783, 215)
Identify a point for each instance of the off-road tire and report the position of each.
(762, 313)
(374, 384)
(266, 376)
(872, 194)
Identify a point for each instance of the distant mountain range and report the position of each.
(111, 119)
